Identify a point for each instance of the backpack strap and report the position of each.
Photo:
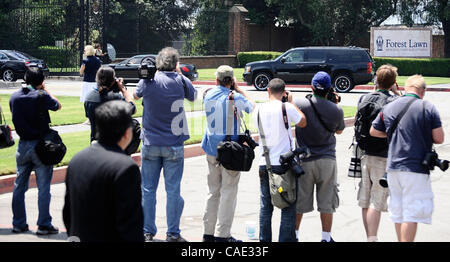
(399, 117)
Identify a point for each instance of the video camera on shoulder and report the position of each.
(147, 68)
(293, 160)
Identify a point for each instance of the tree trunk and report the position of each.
(446, 27)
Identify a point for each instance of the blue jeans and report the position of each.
(171, 160)
(27, 161)
(288, 214)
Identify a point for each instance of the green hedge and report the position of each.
(424, 66)
(58, 57)
(247, 57)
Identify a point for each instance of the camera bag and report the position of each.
(282, 187)
(50, 149)
(6, 139)
(232, 155)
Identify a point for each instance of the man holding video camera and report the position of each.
(325, 119)
(164, 130)
(411, 126)
(278, 140)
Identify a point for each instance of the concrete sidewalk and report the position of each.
(347, 225)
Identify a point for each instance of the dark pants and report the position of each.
(288, 214)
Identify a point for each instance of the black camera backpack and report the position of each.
(368, 109)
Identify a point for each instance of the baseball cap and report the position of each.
(224, 71)
(321, 81)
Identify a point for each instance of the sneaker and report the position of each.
(331, 240)
(148, 237)
(47, 230)
(209, 238)
(227, 239)
(179, 238)
(20, 230)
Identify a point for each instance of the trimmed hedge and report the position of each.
(57, 57)
(424, 66)
(247, 57)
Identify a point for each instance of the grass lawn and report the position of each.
(208, 74)
(72, 111)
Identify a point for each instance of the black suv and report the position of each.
(347, 66)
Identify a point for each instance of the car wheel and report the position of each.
(8, 76)
(261, 81)
(343, 83)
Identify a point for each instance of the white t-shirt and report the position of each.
(277, 140)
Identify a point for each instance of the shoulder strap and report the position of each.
(266, 152)
(42, 112)
(319, 117)
(399, 117)
(286, 123)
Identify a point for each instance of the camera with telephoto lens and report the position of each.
(333, 96)
(247, 138)
(115, 87)
(285, 98)
(383, 181)
(147, 68)
(432, 159)
(293, 159)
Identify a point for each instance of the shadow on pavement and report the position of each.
(8, 231)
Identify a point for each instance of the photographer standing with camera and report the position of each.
(372, 197)
(325, 119)
(108, 88)
(222, 183)
(162, 146)
(411, 126)
(270, 117)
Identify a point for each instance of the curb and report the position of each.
(59, 173)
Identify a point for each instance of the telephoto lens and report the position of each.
(383, 181)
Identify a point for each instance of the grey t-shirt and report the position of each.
(320, 141)
(413, 137)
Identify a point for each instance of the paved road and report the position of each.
(347, 226)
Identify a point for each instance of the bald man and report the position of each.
(411, 196)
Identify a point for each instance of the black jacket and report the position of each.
(103, 196)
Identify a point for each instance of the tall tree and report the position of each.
(334, 22)
(432, 12)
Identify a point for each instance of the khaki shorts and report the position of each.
(321, 173)
(370, 192)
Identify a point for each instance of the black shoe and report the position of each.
(47, 230)
(179, 238)
(20, 230)
(148, 237)
(227, 239)
(209, 238)
(331, 240)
